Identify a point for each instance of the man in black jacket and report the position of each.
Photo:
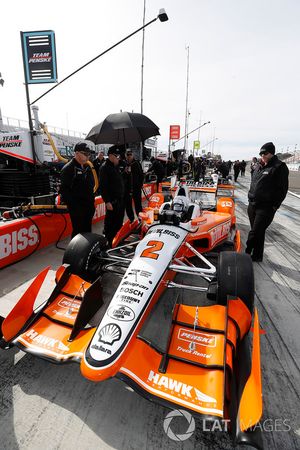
(111, 188)
(77, 189)
(269, 186)
(158, 169)
(133, 178)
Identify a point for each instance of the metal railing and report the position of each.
(13, 124)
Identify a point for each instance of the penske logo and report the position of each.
(199, 338)
(183, 389)
(67, 303)
(46, 341)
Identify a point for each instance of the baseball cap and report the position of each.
(269, 147)
(83, 148)
(114, 150)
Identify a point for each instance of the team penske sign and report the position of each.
(39, 56)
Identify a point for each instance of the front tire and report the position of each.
(83, 255)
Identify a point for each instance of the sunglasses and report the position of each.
(129, 154)
(264, 153)
(85, 153)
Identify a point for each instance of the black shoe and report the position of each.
(256, 259)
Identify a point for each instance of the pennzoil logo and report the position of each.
(110, 333)
(198, 338)
(46, 341)
(186, 390)
(121, 312)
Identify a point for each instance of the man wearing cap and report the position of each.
(133, 180)
(111, 188)
(77, 189)
(269, 186)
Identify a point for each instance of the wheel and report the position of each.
(235, 277)
(83, 254)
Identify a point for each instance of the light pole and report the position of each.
(187, 97)
(162, 16)
(142, 68)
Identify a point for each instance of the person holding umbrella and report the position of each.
(133, 179)
(111, 188)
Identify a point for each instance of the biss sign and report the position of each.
(174, 132)
(39, 56)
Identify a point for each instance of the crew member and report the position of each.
(236, 169)
(111, 187)
(158, 169)
(77, 189)
(98, 162)
(133, 179)
(269, 186)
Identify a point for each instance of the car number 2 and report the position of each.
(150, 251)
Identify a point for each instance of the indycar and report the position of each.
(168, 310)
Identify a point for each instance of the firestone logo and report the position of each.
(17, 241)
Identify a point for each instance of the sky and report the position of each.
(244, 68)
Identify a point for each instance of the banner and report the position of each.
(174, 132)
(39, 56)
(196, 145)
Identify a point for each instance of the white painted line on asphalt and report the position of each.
(295, 195)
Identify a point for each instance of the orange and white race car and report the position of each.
(168, 310)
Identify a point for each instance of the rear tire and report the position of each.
(83, 254)
(235, 277)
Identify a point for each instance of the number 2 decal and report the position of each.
(153, 247)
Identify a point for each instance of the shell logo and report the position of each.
(110, 333)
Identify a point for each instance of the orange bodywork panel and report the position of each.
(51, 339)
(227, 205)
(250, 410)
(238, 311)
(50, 330)
(127, 228)
(195, 372)
(156, 200)
(189, 386)
(23, 310)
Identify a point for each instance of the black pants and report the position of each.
(113, 220)
(81, 218)
(136, 196)
(260, 218)
(236, 174)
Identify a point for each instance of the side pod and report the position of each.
(22, 311)
(250, 405)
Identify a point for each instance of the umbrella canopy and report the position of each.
(123, 128)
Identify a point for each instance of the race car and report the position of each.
(168, 310)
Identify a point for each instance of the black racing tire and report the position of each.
(83, 255)
(235, 277)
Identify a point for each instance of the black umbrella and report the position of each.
(123, 128)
